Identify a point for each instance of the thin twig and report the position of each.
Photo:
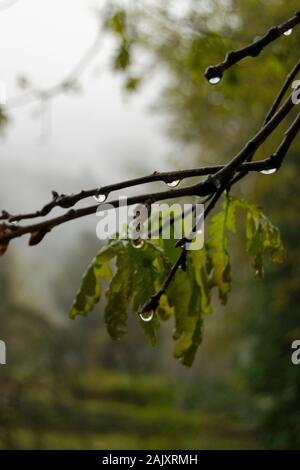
(288, 82)
(227, 174)
(219, 178)
(253, 49)
(209, 186)
(69, 200)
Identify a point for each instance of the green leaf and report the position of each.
(188, 317)
(90, 290)
(201, 262)
(165, 310)
(254, 235)
(149, 267)
(139, 273)
(190, 353)
(262, 237)
(218, 242)
(119, 296)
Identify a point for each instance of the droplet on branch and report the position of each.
(100, 197)
(173, 184)
(147, 316)
(271, 171)
(139, 243)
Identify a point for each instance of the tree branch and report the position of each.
(207, 187)
(277, 159)
(219, 178)
(67, 201)
(288, 82)
(253, 49)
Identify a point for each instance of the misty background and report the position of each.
(77, 140)
(66, 383)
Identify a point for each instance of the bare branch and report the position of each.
(253, 49)
(284, 147)
(207, 187)
(276, 158)
(288, 82)
(219, 178)
(67, 201)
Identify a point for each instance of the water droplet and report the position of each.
(139, 243)
(288, 32)
(147, 316)
(14, 222)
(100, 197)
(173, 184)
(271, 171)
(215, 80)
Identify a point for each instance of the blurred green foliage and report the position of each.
(67, 386)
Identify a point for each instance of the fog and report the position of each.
(89, 138)
(78, 140)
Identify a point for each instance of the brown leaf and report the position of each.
(4, 245)
(37, 236)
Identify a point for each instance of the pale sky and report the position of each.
(102, 131)
(98, 137)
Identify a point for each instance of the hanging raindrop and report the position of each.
(271, 171)
(139, 243)
(147, 316)
(173, 184)
(100, 197)
(288, 32)
(215, 80)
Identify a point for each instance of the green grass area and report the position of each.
(104, 410)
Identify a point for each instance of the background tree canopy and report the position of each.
(242, 391)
